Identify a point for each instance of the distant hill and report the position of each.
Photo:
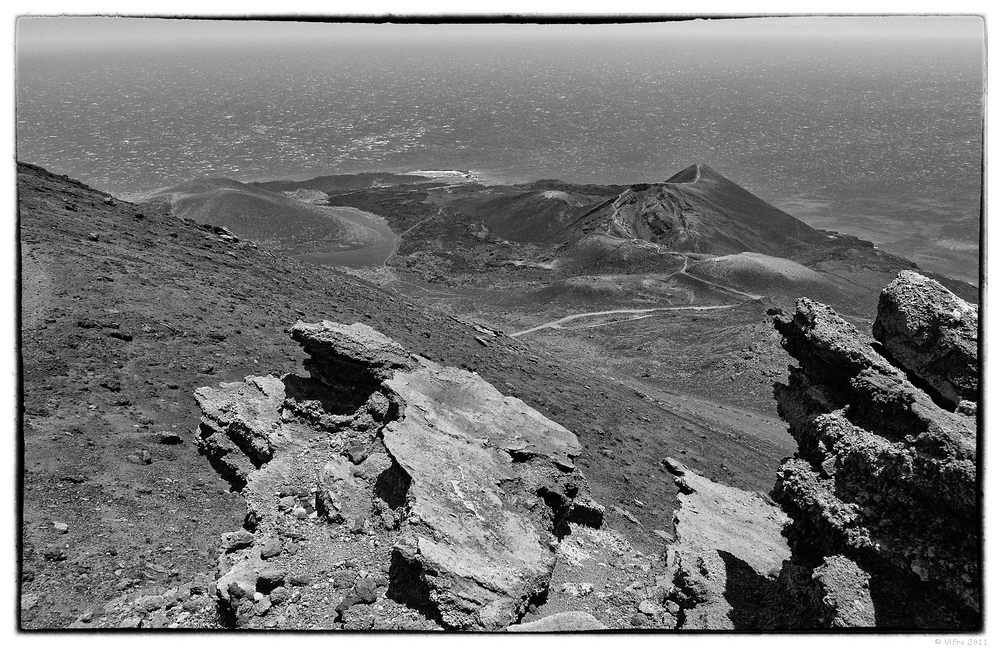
(279, 221)
(700, 211)
(537, 216)
(762, 274)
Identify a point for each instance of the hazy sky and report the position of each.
(75, 32)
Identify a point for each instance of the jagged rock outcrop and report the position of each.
(884, 476)
(932, 333)
(426, 475)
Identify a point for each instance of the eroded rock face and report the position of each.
(932, 333)
(426, 474)
(728, 554)
(884, 476)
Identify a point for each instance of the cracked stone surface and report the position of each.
(425, 475)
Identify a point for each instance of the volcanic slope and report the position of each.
(280, 222)
(546, 259)
(569, 230)
(698, 210)
(125, 311)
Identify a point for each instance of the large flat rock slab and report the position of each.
(723, 534)
(478, 461)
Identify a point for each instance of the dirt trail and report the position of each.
(557, 324)
(684, 271)
(397, 239)
(749, 296)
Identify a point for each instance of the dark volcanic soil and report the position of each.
(126, 311)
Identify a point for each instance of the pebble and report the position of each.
(342, 579)
(279, 595)
(649, 608)
(140, 457)
(577, 588)
(366, 590)
(300, 579)
(236, 540)
(54, 554)
(149, 603)
(270, 578)
(271, 548)
(61, 528)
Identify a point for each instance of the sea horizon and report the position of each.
(872, 133)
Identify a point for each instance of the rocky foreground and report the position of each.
(387, 491)
(461, 491)
(882, 492)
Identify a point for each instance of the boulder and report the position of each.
(932, 333)
(357, 351)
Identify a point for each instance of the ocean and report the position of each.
(876, 137)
